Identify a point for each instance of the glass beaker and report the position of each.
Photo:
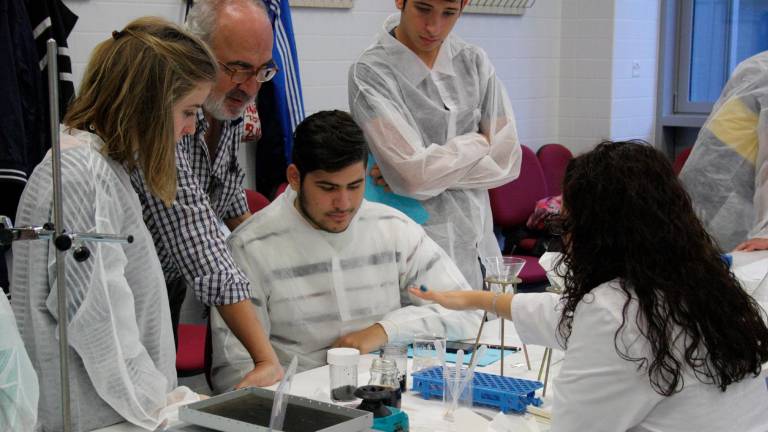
(425, 352)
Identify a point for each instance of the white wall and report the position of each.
(524, 50)
(585, 73)
(564, 62)
(636, 39)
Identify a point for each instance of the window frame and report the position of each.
(682, 103)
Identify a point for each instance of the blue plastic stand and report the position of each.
(505, 393)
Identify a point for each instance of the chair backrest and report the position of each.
(679, 162)
(190, 355)
(512, 203)
(256, 201)
(554, 159)
(281, 188)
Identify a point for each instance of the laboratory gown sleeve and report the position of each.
(458, 133)
(19, 390)
(103, 324)
(726, 174)
(427, 264)
(119, 321)
(596, 390)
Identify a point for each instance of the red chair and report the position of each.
(256, 201)
(190, 356)
(679, 162)
(554, 158)
(512, 204)
(281, 188)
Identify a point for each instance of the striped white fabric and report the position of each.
(312, 286)
(19, 389)
(122, 357)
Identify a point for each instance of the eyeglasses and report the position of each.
(240, 76)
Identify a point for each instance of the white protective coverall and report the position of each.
(122, 357)
(598, 391)
(313, 287)
(19, 390)
(444, 136)
(726, 174)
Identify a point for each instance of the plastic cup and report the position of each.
(343, 373)
(425, 355)
(457, 391)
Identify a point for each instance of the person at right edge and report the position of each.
(439, 124)
(726, 174)
(658, 334)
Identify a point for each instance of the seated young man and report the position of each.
(328, 268)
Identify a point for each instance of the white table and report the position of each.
(427, 415)
(424, 415)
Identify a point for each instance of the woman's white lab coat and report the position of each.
(598, 391)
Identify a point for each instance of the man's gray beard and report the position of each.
(217, 108)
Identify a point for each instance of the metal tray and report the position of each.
(248, 410)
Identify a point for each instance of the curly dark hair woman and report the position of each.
(628, 218)
(658, 334)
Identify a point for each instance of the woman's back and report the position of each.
(119, 324)
(598, 390)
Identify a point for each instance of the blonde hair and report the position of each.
(132, 81)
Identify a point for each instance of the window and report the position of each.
(714, 37)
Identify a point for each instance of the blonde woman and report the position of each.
(139, 96)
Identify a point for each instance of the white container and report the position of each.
(343, 373)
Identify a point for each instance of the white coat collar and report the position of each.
(408, 62)
(338, 241)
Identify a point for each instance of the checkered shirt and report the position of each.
(186, 235)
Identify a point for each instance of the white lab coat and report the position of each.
(598, 391)
(313, 287)
(726, 174)
(122, 357)
(443, 136)
(19, 390)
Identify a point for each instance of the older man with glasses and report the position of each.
(190, 234)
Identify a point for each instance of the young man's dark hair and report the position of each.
(328, 141)
(461, 4)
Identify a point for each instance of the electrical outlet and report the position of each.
(635, 69)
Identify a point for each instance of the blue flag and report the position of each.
(289, 100)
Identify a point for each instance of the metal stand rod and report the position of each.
(477, 339)
(546, 373)
(543, 363)
(502, 347)
(527, 360)
(44, 233)
(58, 223)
